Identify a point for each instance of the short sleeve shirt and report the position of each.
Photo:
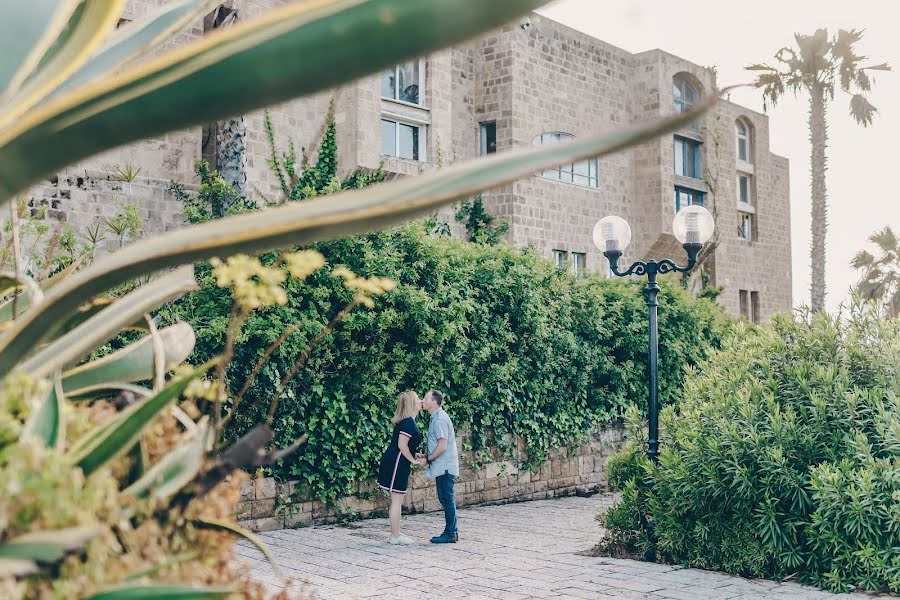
(447, 463)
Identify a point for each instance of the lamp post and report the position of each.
(693, 226)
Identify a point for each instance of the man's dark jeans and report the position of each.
(444, 484)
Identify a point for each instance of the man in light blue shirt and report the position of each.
(442, 462)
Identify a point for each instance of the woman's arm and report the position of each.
(403, 443)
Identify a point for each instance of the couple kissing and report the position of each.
(440, 460)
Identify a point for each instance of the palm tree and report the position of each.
(819, 66)
(880, 280)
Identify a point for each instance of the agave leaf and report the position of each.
(236, 70)
(48, 422)
(132, 39)
(132, 363)
(21, 302)
(130, 424)
(48, 546)
(160, 591)
(27, 36)
(330, 217)
(140, 458)
(102, 327)
(233, 529)
(84, 313)
(88, 25)
(105, 390)
(17, 567)
(8, 282)
(164, 564)
(176, 469)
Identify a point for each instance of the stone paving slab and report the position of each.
(512, 552)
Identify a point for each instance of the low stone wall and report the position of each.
(267, 504)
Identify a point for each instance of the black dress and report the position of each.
(393, 472)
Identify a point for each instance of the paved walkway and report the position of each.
(511, 552)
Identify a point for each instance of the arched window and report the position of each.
(684, 94)
(742, 139)
(584, 173)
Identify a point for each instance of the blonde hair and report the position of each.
(406, 406)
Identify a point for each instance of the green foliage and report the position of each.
(783, 457)
(126, 224)
(214, 198)
(479, 224)
(880, 277)
(47, 248)
(520, 348)
(302, 181)
(523, 350)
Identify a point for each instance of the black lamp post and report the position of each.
(693, 226)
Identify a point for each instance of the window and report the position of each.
(742, 137)
(684, 95)
(744, 195)
(754, 307)
(687, 157)
(560, 258)
(749, 305)
(745, 226)
(579, 263)
(402, 83)
(584, 173)
(488, 138)
(744, 301)
(687, 197)
(400, 139)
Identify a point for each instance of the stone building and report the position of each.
(532, 82)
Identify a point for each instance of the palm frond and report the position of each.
(886, 239)
(862, 110)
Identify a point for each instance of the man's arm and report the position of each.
(441, 446)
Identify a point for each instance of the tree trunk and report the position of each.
(818, 137)
(231, 153)
(226, 141)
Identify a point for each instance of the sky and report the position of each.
(864, 163)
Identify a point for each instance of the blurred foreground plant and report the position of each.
(125, 490)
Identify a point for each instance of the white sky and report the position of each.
(864, 163)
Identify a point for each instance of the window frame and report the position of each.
(754, 307)
(680, 105)
(691, 193)
(742, 137)
(420, 63)
(745, 218)
(744, 304)
(741, 201)
(576, 270)
(421, 137)
(686, 144)
(561, 254)
(484, 148)
(567, 173)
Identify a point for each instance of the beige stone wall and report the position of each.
(762, 265)
(542, 77)
(267, 504)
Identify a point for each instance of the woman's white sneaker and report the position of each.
(400, 540)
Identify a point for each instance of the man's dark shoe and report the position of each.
(445, 538)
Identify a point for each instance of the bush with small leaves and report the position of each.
(783, 458)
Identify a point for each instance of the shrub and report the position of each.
(782, 458)
(520, 347)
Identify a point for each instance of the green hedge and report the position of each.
(783, 458)
(519, 347)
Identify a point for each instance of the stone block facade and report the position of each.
(267, 504)
(528, 78)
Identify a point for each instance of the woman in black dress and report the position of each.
(393, 472)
